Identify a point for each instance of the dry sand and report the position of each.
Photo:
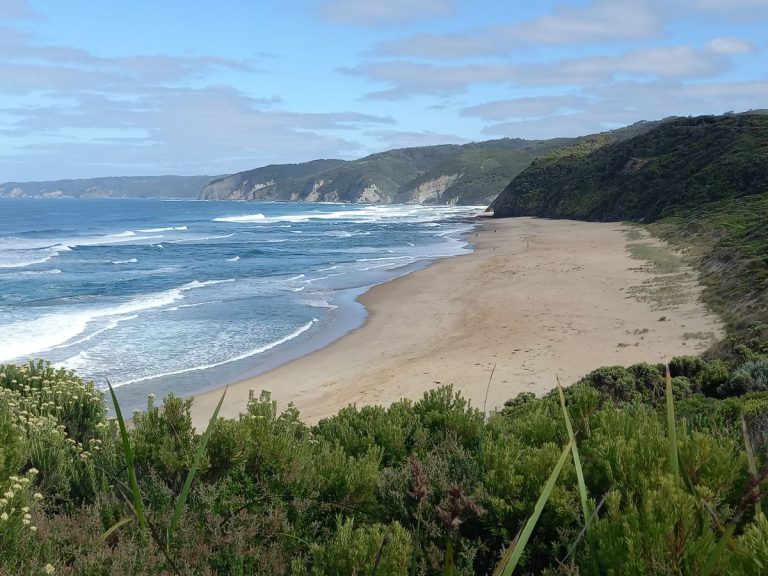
(536, 298)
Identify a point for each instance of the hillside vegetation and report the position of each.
(448, 174)
(470, 174)
(679, 164)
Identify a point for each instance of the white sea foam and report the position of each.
(299, 277)
(168, 229)
(366, 214)
(114, 323)
(32, 273)
(238, 219)
(195, 305)
(129, 261)
(24, 257)
(27, 337)
(200, 238)
(233, 259)
(296, 333)
(385, 258)
(197, 284)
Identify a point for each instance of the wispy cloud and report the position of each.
(598, 22)
(17, 10)
(530, 107)
(373, 13)
(406, 78)
(74, 109)
(406, 139)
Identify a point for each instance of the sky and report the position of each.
(124, 88)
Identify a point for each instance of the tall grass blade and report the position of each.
(115, 527)
(674, 462)
(449, 562)
(519, 545)
(750, 458)
(182, 499)
(128, 453)
(714, 557)
(583, 532)
(576, 457)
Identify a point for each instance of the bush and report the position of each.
(354, 550)
(163, 440)
(752, 376)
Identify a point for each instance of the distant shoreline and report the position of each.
(536, 298)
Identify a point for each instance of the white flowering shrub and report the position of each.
(58, 423)
(18, 498)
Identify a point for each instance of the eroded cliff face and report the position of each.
(310, 190)
(431, 191)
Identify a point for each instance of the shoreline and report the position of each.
(535, 298)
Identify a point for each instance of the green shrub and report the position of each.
(443, 411)
(357, 431)
(752, 376)
(357, 550)
(616, 383)
(163, 440)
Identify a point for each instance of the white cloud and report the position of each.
(624, 103)
(80, 114)
(524, 107)
(597, 22)
(741, 9)
(730, 46)
(405, 139)
(409, 78)
(406, 78)
(375, 12)
(17, 10)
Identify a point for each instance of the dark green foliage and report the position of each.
(354, 550)
(752, 376)
(163, 440)
(399, 487)
(685, 162)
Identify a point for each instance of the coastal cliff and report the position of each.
(469, 174)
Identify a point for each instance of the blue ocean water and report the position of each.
(183, 296)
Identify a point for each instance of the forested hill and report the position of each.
(445, 174)
(681, 163)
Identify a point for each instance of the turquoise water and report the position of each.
(182, 296)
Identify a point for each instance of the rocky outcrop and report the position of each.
(370, 195)
(432, 191)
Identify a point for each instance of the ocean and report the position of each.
(183, 296)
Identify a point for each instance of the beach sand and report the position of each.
(536, 298)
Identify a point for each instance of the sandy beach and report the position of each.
(536, 298)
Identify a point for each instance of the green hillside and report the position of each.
(681, 163)
(483, 168)
(445, 174)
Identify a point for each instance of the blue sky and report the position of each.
(93, 88)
